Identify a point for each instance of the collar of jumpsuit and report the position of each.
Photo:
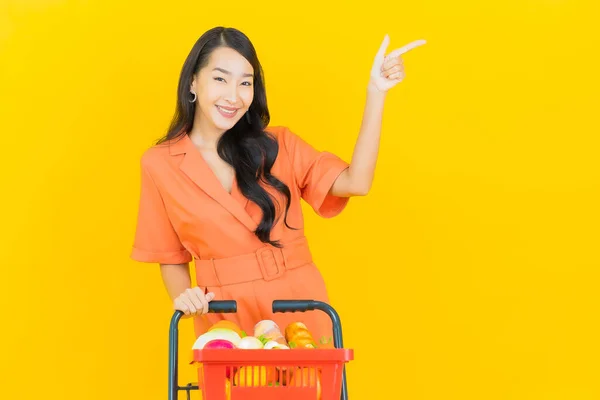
(198, 170)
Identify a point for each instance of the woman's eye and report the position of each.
(219, 79)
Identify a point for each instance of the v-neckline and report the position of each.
(193, 165)
(235, 192)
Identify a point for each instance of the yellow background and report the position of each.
(469, 272)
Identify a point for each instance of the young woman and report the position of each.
(223, 188)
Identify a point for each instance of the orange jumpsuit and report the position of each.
(185, 215)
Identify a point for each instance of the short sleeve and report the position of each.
(315, 172)
(155, 238)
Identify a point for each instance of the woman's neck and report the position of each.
(203, 136)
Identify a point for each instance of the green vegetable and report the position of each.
(263, 339)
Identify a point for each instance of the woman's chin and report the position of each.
(225, 125)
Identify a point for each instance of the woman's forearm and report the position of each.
(366, 150)
(176, 278)
(358, 179)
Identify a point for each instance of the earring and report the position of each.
(248, 117)
(195, 97)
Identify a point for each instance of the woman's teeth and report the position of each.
(226, 111)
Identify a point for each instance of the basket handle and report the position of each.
(215, 306)
(283, 306)
(230, 306)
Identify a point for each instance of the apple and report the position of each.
(219, 344)
(219, 333)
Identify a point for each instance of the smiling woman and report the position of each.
(224, 189)
(231, 93)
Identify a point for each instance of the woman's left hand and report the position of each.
(388, 71)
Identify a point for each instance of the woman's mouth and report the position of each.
(227, 112)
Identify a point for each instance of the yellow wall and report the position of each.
(479, 238)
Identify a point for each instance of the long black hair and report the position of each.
(246, 146)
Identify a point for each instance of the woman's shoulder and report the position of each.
(277, 130)
(283, 133)
(158, 154)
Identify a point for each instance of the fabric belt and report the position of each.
(267, 263)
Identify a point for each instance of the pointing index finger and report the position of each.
(406, 48)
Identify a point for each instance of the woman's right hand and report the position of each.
(193, 301)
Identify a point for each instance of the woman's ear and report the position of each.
(193, 84)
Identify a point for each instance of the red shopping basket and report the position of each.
(259, 374)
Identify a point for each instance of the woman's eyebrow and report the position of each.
(229, 73)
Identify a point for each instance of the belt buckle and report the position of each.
(263, 267)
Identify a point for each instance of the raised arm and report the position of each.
(387, 72)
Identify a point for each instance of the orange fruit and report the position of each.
(306, 377)
(226, 324)
(250, 376)
(272, 375)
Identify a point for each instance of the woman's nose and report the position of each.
(231, 93)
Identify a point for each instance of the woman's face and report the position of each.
(225, 89)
